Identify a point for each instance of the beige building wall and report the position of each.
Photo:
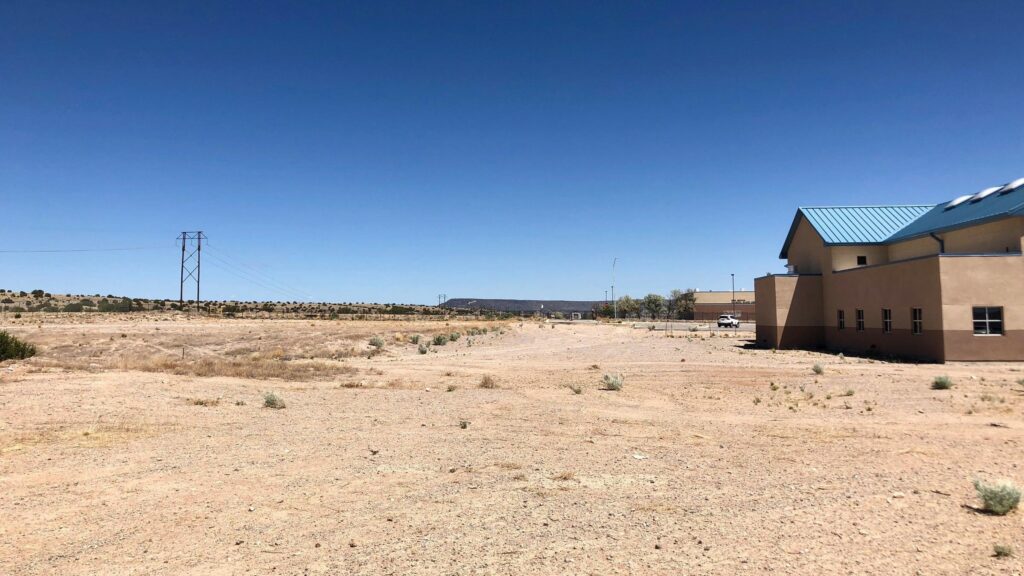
(789, 311)
(913, 249)
(807, 250)
(845, 257)
(897, 286)
(999, 236)
(969, 281)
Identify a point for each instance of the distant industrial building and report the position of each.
(709, 305)
(942, 282)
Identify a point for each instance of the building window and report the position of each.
(916, 321)
(862, 260)
(841, 319)
(887, 320)
(860, 320)
(988, 320)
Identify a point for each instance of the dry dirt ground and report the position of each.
(119, 457)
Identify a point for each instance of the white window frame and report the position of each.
(988, 321)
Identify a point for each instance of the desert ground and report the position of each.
(140, 444)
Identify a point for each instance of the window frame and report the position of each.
(916, 321)
(841, 319)
(988, 321)
(858, 319)
(886, 320)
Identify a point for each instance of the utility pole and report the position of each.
(191, 260)
(615, 303)
(734, 300)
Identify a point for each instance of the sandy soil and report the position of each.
(713, 459)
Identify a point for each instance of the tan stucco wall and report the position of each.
(971, 281)
(999, 236)
(993, 237)
(913, 249)
(789, 311)
(845, 257)
(807, 250)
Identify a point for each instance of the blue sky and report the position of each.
(390, 152)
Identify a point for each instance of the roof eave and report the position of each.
(792, 232)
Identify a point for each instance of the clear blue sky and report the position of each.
(389, 152)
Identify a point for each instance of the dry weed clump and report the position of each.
(488, 382)
(257, 368)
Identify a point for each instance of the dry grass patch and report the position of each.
(203, 401)
(250, 368)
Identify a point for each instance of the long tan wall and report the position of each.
(898, 287)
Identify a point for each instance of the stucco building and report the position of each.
(942, 282)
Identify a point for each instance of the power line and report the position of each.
(69, 250)
(257, 273)
(242, 275)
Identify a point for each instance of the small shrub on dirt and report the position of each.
(271, 400)
(452, 388)
(576, 388)
(564, 476)
(818, 369)
(423, 349)
(942, 383)
(998, 497)
(463, 424)
(454, 336)
(377, 342)
(12, 348)
(757, 400)
(488, 382)
(203, 401)
(1002, 551)
(613, 382)
(440, 340)
(849, 392)
(415, 339)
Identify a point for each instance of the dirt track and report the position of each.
(696, 467)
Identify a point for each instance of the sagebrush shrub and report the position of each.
(818, 369)
(377, 342)
(942, 383)
(440, 340)
(488, 382)
(423, 349)
(271, 400)
(613, 381)
(999, 497)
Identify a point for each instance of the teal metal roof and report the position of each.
(842, 225)
(849, 225)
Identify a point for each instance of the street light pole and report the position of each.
(734, 301)
(615, 303)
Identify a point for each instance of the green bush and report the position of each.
(818, 369)
(271, 400)
(415, 339)
(999, 497)
(377, 342)
(942, 383)
(11, 348)
(613, 382)
(440, 340)
(423, 349)
(454, 336)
